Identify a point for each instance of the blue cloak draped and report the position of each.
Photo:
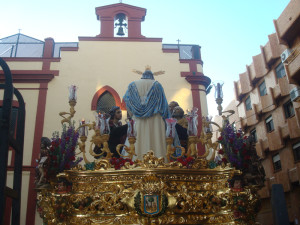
(155, 101)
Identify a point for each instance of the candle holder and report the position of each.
(82, 147)
(219, 95)
(67, 119)
(105, 149)
(130, 150)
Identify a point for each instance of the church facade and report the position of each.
(101, 67)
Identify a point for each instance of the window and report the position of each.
(280, 71)
(105, 102)
(276, 162)
(262, 89)
(269, 124)
(253, 135)
(248, 103)
(296, 151)
(288, 109)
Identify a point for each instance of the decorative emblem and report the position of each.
(152, 201)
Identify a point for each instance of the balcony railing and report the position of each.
(268, 101)
(292, 65)
(275, 139)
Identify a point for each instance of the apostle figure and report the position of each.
(146, 100)
(118, 132)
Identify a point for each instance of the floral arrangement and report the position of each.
(235, 147)
(118, 163)
(62, 151)
(186, 161)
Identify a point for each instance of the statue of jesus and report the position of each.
(146, 100)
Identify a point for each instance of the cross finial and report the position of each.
(19, 30)
(120, 1)
(178, 41)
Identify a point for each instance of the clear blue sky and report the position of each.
(229, 32)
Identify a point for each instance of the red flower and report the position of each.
(238, 135)
(224, 160)
(72, 158)
(221, 152)
(245, 137)
(67, 138)
(220, 138)
(54, 157)
(246, 157)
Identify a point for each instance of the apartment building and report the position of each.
(267, 107)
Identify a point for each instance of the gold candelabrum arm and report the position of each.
(67, 119)
(130, 150)
(82, 148)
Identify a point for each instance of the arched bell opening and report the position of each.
(120, 29)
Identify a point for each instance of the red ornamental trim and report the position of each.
(31, 76)
(120, 39)
(200, 80)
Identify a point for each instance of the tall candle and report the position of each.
(72, 93)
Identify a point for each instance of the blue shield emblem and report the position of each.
(151, 204)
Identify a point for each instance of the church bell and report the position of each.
(121, 31)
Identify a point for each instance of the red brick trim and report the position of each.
(31, 76)
(101, 91)
(193, 63)
(186, 74)
(119, 39)
(69, 49)
(166, 50)
(200, 80)
(39, 126)
(30, 59)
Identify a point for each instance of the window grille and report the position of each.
(269, 124)
(296, 151)
(262, 89)
(248, 104)
(276, 162)
(280, 71)
(105, 102)
(288, 109)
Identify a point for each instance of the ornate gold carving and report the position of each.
(130, 150)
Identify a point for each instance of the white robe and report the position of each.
(151, 132)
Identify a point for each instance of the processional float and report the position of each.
(219, 187)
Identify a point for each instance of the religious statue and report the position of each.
(181, 125)
(172, 105)
(146, 100)
(40, 172)
(118, 132)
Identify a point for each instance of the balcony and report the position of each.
(251, 116)
(245, 83)
(294, 174)
(293, 128)
(260, 149)
(287, 25)
(275, 140)
(260, 67)
(267, 101)
(272, 50)
(284, 86)
(293, 66)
